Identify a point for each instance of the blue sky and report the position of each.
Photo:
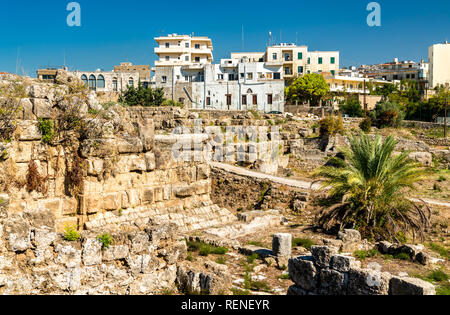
(115, 30)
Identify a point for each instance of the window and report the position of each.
(300, 56)
(269, 99)
(220, 77)
(92, 82)
(164, 79)
(197, 46)
(101, 82)
(208, 101)
(244, 99)
(333, 72)
(333, 60)
(186, 58)
(131, 82)
(197, 59)
(309, 61)
(269, 75)
(255, 99)
(250, 76)
(231, 77)
(320, 60)
(274, 56)
(167, 58)
(167, 45)
(287, 57)
(84, 79)
(287, 71)
(413, 76)
(186, 45)
(115, 85)
(276, 76)
(300, 69)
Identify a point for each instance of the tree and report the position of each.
(141, 96)
(368, 187)
(351, 107)
(310, 87)
(388, 114)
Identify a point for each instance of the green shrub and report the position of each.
(388, 114)
(221, 260)
(71, 234)
(331, 126)
(304, 242)
(284, 277)
(251, 259)
(236, 291)
(366, 125)
(438, 276)
(46, 127)
(105, 239)
(351, 107)
(441, 250)
(402, 256)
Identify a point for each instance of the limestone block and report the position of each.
(203, 172)
(67, 255)
(146, 130)
(17, 234)
(282, 245)
(368, 282)
(133, 198)
(344, 263)
(27, 112)
(303, 272)
(424, 158)
(159, 194)
(92, 252)
(140, 243)
(112, 201)
(410, 286)
(129, 145)
(41, 108)
(332, 282)
(137, 163)
(62, 223)
(116, 252)
(28, 130)
(183, 191)
(91, 203)
(150, 161)
(322, 255)
(148, 195)
(69, 206)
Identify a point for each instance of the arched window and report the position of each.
(92, 82)
(85, 80)
(101, 81)
(115, 86)
(131, 82)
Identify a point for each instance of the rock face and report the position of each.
(325, 273)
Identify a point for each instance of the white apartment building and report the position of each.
(439, 58)
(296, 60)
(231, 85)
(176, 49)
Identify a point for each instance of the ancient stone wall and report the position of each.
(327, 273)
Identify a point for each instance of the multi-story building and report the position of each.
(397, 71)
(128, 67)
(296, 60)
(231, 85)
(439, 58)
(176, 49)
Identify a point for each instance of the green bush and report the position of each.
(388, 114)
(363, 254)
(351, 107)
(251, 259)
(142, 96)
(71, 234)
(46, 127)
(366, 125)
(105, 239)
(331, 126)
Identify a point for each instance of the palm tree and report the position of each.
(368, 187)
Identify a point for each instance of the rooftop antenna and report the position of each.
(281, 37)
(270, 38)
(296, 39)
